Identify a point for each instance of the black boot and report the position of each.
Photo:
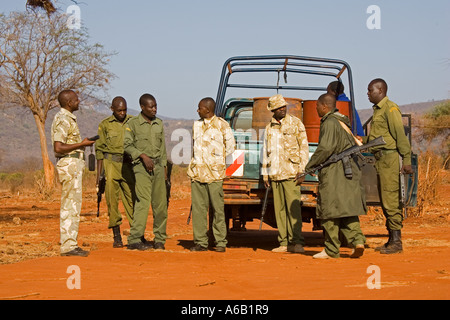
(396, 243)
(384, 246)
(117, 237)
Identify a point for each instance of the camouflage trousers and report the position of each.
(70, 174)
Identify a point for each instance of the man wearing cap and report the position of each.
(285, 154)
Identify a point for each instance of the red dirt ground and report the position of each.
(31, 269)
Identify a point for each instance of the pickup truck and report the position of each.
(301, 80)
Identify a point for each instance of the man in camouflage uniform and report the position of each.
(285, 154)
(69, 151)
(213, 141)
(144, 141)
(117, 167)
(387, 122)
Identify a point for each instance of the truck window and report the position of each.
(242, 119)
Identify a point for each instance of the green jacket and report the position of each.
(338, 196)
(111, 132)
(145, 137)
(387, 122)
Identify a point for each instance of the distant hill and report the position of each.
(419, 108)
(20, 146)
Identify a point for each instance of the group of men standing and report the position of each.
(132, 153)
(341, 197)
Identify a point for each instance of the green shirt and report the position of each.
(111, 132)
(387, 122)
(143, 137)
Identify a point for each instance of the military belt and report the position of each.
(75, 155)
(118, 157)
(383, 152)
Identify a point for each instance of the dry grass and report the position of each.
(432, 178)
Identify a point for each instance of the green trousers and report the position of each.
(150, 190)
(388, 169)
(204, 194)
(119, 185)
(350, 229)
(286, 200)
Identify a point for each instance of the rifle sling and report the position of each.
(344, 126)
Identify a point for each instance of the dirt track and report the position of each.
(31, 268)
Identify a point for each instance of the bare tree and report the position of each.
(47, 5)
(41, 56)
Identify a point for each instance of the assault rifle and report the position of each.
(264, 207)
(100, 191)
(344, 156)
(168, 182)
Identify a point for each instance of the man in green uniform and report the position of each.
(285, 154)
(144, 141)
(341, 198)
(117, 167)
(69, 152)
(387, 122)
(213, 141)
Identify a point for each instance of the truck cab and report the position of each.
(301, 80)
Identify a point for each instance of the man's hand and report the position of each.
(407, 169)
(148, 162)
(86, 142)
(266, 182)
(359, 138)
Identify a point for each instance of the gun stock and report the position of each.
(101, 190)
(264, 208)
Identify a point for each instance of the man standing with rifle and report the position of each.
(341, 194)
(387, 122)
(118, 171)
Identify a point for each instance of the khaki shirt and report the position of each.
(111, 132)
(213, 141)
(65, 129)
(286, 150)
(387, 122)
(143, 137)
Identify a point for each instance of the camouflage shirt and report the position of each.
(213, 141)
(65, 129)
(286, 150)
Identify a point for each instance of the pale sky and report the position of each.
(176, 49)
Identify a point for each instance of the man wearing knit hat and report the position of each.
(285, 154)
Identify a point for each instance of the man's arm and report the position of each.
(397, 131)
(302, 140)
(62, 148)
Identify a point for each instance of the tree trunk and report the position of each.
(49, 168)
